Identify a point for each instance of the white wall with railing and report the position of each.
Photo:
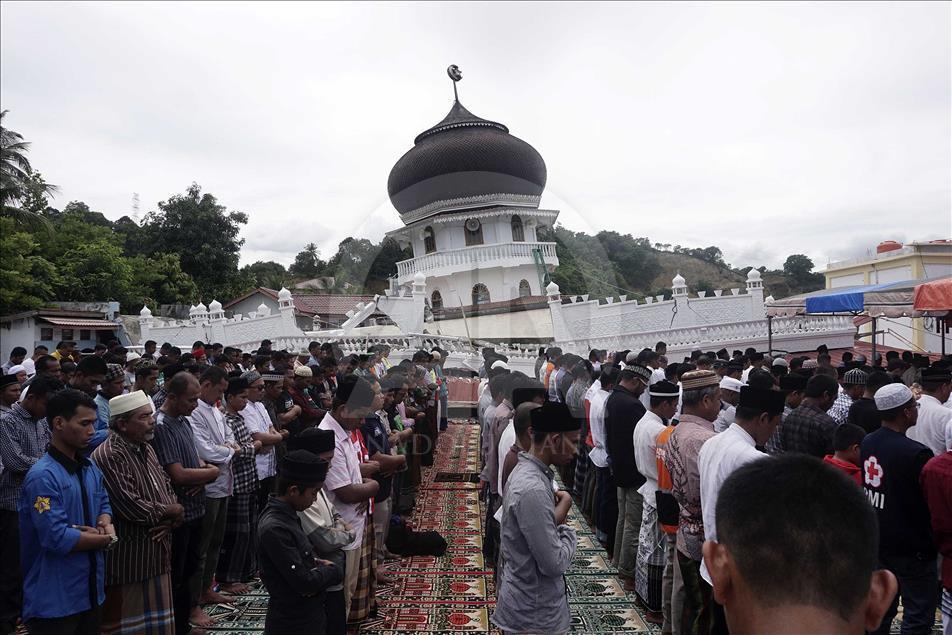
(482, 256)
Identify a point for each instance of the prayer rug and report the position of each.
(455, 592)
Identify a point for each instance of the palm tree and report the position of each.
(16, 179)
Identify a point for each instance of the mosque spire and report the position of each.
(455, 74)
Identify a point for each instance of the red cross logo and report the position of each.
(873, 471)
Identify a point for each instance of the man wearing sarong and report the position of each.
(651, 557)
(138, 578)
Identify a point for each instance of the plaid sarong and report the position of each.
(237, 562)
(364, 602)
(581, 470)
(649, 566)
(588, 491)
(143, 607)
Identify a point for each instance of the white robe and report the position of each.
(931, 425)
(721, 456)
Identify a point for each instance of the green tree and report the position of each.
(798, 266)
(308, 263)
(159, 280)
(26, 278)
(270, 274)
(17, 183)
(204, 234)
(95, 270)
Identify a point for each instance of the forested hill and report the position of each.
(610, 263)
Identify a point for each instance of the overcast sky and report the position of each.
(765, 129)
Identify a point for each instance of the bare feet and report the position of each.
(213, 597)
(199, 619)
(236, 588)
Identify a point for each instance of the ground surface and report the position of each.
(454, 593)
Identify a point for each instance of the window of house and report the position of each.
(429, 240)
(84, 335)
(67, 334)
(524, 289)
(474, 232)
(518, 235)
(436, 301)
(46, 334)
(480, 293)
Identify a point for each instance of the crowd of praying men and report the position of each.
(137, 489)
(734, 492)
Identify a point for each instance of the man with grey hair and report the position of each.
(700, 405)
(144, 511)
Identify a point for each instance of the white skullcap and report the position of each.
(892, 396)
(128, 402)
(19, 368)
(729, 383)
(29, 366)
(631, 357)
(499, 364)
(781, 362)
(436, 356)
(303, 371)
(130, 356)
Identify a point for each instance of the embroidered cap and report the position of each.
(892, 396)
(699, 379)
(128, 402)
(855, 377)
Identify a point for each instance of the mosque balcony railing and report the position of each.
(475, 257)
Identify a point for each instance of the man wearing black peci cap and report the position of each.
(934, 418)
(758, 413)
(537, 545)
(295, 577)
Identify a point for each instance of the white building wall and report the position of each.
(502, 282)
(851, 280)
(891, 274)
(250, 304)
(22, 332)
(521, 325)
(937, 270)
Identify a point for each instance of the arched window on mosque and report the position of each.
(474, 232)
(480, 293)
(524, 290)
(429, 240)
(436, 301)
(518, 235)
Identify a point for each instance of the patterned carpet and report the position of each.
(454, 593)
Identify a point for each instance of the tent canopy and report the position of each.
(934, 296)
(893, 299)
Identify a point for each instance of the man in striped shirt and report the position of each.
(138, 582)
(174, 446)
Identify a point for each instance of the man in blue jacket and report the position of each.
(65, 525)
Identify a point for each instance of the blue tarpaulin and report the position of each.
(845, 300)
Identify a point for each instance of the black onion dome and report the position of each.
(466, 159)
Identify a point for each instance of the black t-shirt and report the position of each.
(376, 440)
(891, 466)
(864, 413)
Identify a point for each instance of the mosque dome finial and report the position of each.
(463, 162)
